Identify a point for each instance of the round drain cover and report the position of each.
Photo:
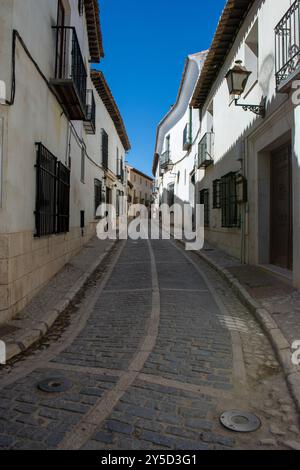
(240, 421)
(54, 385)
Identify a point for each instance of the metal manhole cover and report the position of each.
(240, 421)
(54, 385)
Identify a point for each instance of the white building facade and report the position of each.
(248, 158)
(62, 141)
(140, 187)
(176, 142)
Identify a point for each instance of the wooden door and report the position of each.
(281, 226)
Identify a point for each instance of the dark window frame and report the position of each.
(171, 195)
(105, 156)
(97, 195)
(80, 7)
(52, 207)
(217, 194)
(204, 199)
(229, 203)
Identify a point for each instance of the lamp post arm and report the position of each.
(259, 110)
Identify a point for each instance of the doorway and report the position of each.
(281, 209)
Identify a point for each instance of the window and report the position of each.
(216, 194)
(98, 195)
(82, 173)
(120, 196)
(204, 199)
(210, 117)
(52, 211)
(251, 57)
(171, 195)
(168, 143)
(229, 204)
(80, 7)
(104, 149)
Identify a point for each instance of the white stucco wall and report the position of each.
(37, 116)
(26, 262)
(172, 126)
(243, 135)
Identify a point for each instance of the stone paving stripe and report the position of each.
(72, 333)
(90, 370)
(93, 419)
(202, 389)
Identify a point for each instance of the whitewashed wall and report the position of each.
(242, 135)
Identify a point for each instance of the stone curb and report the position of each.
(278, 341)
(25, 339)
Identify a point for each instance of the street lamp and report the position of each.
(237, 79)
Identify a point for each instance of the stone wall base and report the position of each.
(230, 242)
(28, 263)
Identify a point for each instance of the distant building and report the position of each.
(140, 187)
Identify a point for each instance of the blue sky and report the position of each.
(146, 43)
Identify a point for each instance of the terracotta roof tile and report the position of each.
(229, 25)
(92, 14)
(106, 96)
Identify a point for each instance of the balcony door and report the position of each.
(281, 229)
(61, 40)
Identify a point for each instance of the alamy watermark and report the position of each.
(2, 353)
(163, 222)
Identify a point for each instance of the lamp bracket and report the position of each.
(259, 110)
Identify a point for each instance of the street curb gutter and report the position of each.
(278, 341)
(39, 328)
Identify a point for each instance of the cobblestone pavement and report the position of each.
(154, 351)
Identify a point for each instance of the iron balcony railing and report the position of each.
(165, 159)
(187, 140)
(206, 150)
(69, 63)
(90, 120)
(287, 50)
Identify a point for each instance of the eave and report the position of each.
(229, 25)
(92, 14)
(107, 98)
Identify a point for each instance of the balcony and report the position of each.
(206, 150)
(187, 139)
(165, 159)
(69, 83)
(287, 38)
(90, 117)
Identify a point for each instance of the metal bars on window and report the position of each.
(216, 194)
(287, 42)
(52, 212)
(98, 196)
(69, 63)
(204, 199)
(229, 204)
(104, 149)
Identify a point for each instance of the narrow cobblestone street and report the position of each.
(154, 350)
